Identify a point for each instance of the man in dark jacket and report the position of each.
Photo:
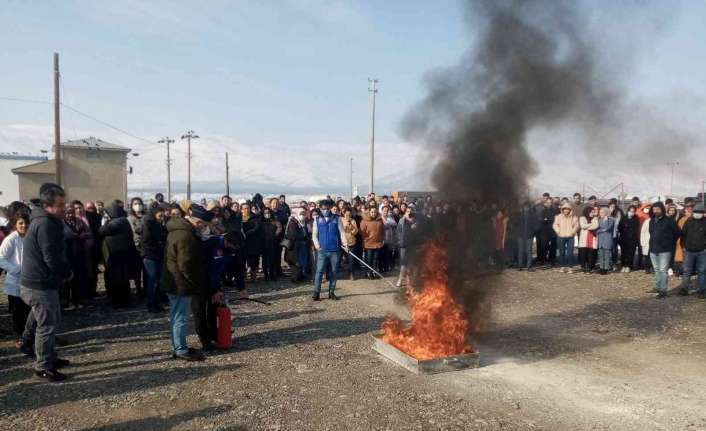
(154, 237)
(663, 237)
(185, 276)
(546, 237)
(44, 269)
(693, 240)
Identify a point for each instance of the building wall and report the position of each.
(9, 184)
(29, 184)
(94, 174)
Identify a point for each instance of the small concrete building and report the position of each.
(91, 169)
(9, 186)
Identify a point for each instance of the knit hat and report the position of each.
(699, 208)
(185, 205)
(199, 212)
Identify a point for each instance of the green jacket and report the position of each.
(185, 273)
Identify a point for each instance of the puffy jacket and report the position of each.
(565, 226)
(44, 264)
(154, 237)
(11, 262)
(694, 235)
(587, 235)
(373, 231)
(117, 234)
(350, 227)
(663, 234)
(629, 231)
(272, 230)
(185, 273)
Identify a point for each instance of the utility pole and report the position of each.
(671, 181)
(372, 89)
(227, 176)
(351, 174)
(57, 124)
(169, 167)
(189, 135)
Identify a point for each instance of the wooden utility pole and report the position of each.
(169, 167)
(57, 124)
(227, 176)
(189, 135)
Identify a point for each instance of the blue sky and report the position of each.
(282, 84)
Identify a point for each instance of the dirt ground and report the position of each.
(562, 351)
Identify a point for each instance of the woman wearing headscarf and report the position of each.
(94, 253)
(272, 234)
(296, 242)
(78, 237)
(629, 238)
(135, 214)
(118, 255)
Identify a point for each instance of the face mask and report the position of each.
(698, 216)
(301, 218)
(631, 214)
(267, 216)
(137, 208)
(326, 213)
(646, 210)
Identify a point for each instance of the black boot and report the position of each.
(316, 297)
(333, 296)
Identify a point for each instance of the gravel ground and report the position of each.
(562, 351)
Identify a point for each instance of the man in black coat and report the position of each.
(694, 242)
(44, 270)
(664, 233)
(154, 238)
(546, 237)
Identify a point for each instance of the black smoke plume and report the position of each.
(532, 66)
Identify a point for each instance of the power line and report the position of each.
(118, 129)
(17, 99)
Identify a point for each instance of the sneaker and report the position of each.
(661, 295)
(315, 297)
(670, 272)
(51, 375)
(627, 269)
(192, 355)
(399, 283)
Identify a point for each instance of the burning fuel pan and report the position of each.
(426, 366)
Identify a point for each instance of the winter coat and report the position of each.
(629, 231)
(606, 226)
(350, 227)
(254, 235)
(525, 223)
(694, 235)
(645, 238)
(44, 264)
(136, 226)
(154, 237)
(565, 226)
(234, 223)
(679, 252)
(390, 231)
(185, 273)
(11, 262)
(272, 231)
(587, 234)
(117, 235)
(663, 234)
(546, 217)
(373, 231)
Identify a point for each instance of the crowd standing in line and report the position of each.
(181, 255)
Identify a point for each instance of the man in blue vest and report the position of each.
(329, 237)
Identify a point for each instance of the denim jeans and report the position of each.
(326, 261)
(371, 256)
(660, 262)
(605, 258)
(524, 252)
(179, 322)
(694, 262)
(566, 251)
(153, 274)
(41, 323)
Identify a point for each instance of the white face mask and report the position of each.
(646, 210)
(631, 214)
(137, 208)
(698, 216)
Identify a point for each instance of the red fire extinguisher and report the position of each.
(224, 330)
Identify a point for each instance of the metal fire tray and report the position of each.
(426, 366)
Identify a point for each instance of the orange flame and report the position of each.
(439, 325)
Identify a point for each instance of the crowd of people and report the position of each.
(180, 255)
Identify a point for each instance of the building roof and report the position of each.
(45, 167)
(92, 143)
(15, 156)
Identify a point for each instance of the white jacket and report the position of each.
(645, 237)
(11, 261)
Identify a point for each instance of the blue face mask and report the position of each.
(326, 213)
